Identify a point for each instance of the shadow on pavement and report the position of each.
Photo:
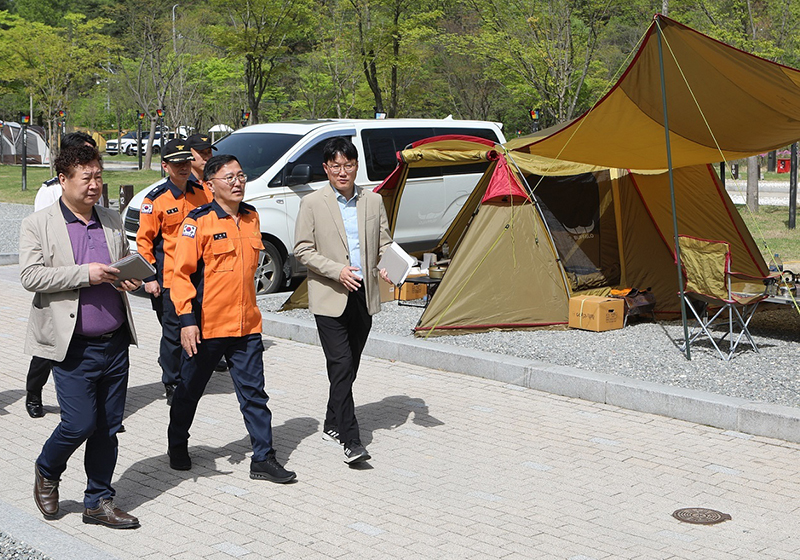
(392, 412)
(7, 398)
(147, 479)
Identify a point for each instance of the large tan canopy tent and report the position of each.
(517, 258)
(711, 90)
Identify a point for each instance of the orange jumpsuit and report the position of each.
(215, 263)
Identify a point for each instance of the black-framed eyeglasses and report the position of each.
(347, 167)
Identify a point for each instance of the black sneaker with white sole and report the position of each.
(270, 469)
(331, 434)
(354, 452)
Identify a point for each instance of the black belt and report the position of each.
(99, 338)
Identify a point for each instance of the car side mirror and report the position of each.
(301, 174)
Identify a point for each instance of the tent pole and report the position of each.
(672, 192)
(535, 201)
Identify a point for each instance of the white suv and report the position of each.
(146, 141)
(283, 163)
(122, 145)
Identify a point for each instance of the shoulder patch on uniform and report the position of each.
(172, 210)
(189, 230)
(199, 211)
(218, 236)
(157, 191)
(147, 208)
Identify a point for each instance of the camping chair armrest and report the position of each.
(750, 277)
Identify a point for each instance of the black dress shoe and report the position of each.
(179, 459)
(33, 404)
(45, 494)
(109, 515)
(169, 390)
(222, 365)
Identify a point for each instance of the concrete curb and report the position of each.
(728, 413)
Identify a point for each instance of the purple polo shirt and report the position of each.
(100, 307)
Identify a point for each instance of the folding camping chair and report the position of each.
(709, 283)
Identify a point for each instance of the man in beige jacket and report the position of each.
(81, 322)
(341, 233)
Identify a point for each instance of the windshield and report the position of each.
(256, 151)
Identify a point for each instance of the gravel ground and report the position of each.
(11, 216)
(642, 350)
(11, 549)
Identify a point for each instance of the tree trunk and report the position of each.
(148, 154)
(752, 183)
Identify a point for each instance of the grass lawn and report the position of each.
(771, 225)
(11, 181)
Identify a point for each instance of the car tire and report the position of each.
(269, 272)
(129, 150)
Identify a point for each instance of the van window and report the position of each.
(256, 151)
(313, 157)
(486, 133)
(382, 146)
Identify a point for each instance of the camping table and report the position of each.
(784, 299)
(430, 288)
(639, 306)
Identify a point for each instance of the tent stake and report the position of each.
(672, 192)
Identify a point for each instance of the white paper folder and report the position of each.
(397, 263)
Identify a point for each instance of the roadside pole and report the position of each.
(793, 187)
(25, 120)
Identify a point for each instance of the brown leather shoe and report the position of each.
(45, 494)
(106, 513)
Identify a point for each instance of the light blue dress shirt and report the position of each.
(350, 219)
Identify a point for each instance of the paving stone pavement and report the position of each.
(462, 468)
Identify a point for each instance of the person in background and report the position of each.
(215, 298)
(160, 217)
(340, 235)
(39, 368)
(81, 322)
(202, 150)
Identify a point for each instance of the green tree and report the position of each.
(154, 63)
(263, 35)
(51, 62)
(550, 46)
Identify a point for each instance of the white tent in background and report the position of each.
(222, 129)
(38, 152)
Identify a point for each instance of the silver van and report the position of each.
(283, 163)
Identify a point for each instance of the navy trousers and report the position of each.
(343, 339)
(170, 349)
(91, 385)
(244, 354)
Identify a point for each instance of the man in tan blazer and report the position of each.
(83, 323)
(341, 233)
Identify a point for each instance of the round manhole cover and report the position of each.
(700, 516)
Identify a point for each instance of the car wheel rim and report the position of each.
(265, 272)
